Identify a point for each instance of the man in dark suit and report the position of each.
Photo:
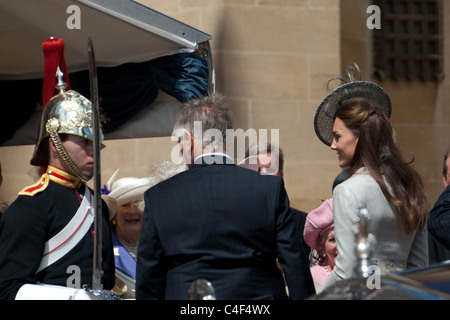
(217, 221)
(270, 161)
(439, 220)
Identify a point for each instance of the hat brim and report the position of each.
(318, 221)
(326, 112)
(131, 192)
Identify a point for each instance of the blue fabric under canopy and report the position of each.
(124, 90)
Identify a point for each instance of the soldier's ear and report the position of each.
(51, 145)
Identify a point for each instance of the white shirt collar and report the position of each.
(213, 154)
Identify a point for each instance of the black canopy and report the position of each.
(139, 53)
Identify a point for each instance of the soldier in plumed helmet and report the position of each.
(47, 235)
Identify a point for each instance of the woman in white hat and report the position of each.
(125, 200)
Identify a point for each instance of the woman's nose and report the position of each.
(333, 145)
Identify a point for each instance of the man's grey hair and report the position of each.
(167, 169)
(209, 112)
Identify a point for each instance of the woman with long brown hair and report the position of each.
(354, 121)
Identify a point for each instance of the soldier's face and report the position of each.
(81, 151)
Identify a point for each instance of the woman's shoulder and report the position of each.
(359, 179)
(359, 186)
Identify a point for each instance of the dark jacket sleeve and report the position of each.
(24, 229)
(108, 263)
(18, 263)
(150, 270)
(291, 254)
(439, 219)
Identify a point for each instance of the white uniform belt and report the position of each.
(59, 245)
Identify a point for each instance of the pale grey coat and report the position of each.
(394, 251)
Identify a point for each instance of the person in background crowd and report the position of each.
(354, 121)
(439, 217)
(319, 235)
(217, 221)
(125, 199)
(126, 220)
(446, 170)
(3, 205)
(270, 161)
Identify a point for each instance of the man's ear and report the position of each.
(188, 148)
(189, 139)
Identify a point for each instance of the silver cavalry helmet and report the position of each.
(66, 113)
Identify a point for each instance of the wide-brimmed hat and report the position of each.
(130, 189)
(125, 190)
(328, 108)
(318, 221)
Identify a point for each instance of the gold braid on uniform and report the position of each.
(52, 128)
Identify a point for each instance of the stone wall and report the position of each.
(272, 60)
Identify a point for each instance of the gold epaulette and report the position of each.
(39, 186)
(55, 175)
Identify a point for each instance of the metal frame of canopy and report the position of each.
(123, 31)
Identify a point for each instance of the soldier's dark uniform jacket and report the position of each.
(41, 211)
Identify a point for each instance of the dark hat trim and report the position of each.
(328, 108)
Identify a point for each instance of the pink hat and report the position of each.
(317, 222)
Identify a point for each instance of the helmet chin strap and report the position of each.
(63, 153)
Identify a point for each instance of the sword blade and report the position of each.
(97, 263)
